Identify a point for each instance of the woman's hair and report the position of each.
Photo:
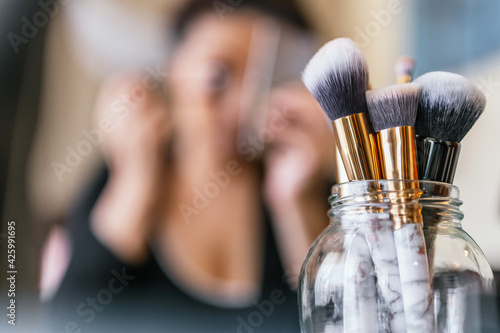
(286, 10)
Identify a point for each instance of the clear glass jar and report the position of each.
(344, 286)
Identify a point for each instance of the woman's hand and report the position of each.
(139, 128)
(134, 148)
(299, 167)
(300, 155)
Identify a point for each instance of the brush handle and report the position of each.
(360, 299)
(415, 282)
(329, 291)
(380, 239)
(437, 160)
(458, 306)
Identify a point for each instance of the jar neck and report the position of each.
(436, 202)
(442, 212)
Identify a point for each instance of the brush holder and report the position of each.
(350, 279)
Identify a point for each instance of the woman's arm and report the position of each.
(134, 147)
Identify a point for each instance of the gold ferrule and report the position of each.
(357, 147)
(398, 153)
(405, 214)
(398, 161)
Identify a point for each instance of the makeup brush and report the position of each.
(404, 68)
(337, 76)
(393, 111)
(449, 106)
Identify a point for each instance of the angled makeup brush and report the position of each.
(448, 108)
(337, 76)
(393, 111)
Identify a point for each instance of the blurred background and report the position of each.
(55, 57)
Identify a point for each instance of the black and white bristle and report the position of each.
(393, 106)
(449, 106)
(337, 76)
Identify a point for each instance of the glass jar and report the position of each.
(344, 285)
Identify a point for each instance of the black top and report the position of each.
(100, 293)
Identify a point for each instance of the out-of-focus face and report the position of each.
(207, 75)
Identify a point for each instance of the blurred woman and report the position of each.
(185, 183)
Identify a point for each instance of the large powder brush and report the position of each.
(449, 106)
(337, 76)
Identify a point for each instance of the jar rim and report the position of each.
(427, 189)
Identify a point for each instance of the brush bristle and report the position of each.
(337, 76)
(393, 106)
(449, 106)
